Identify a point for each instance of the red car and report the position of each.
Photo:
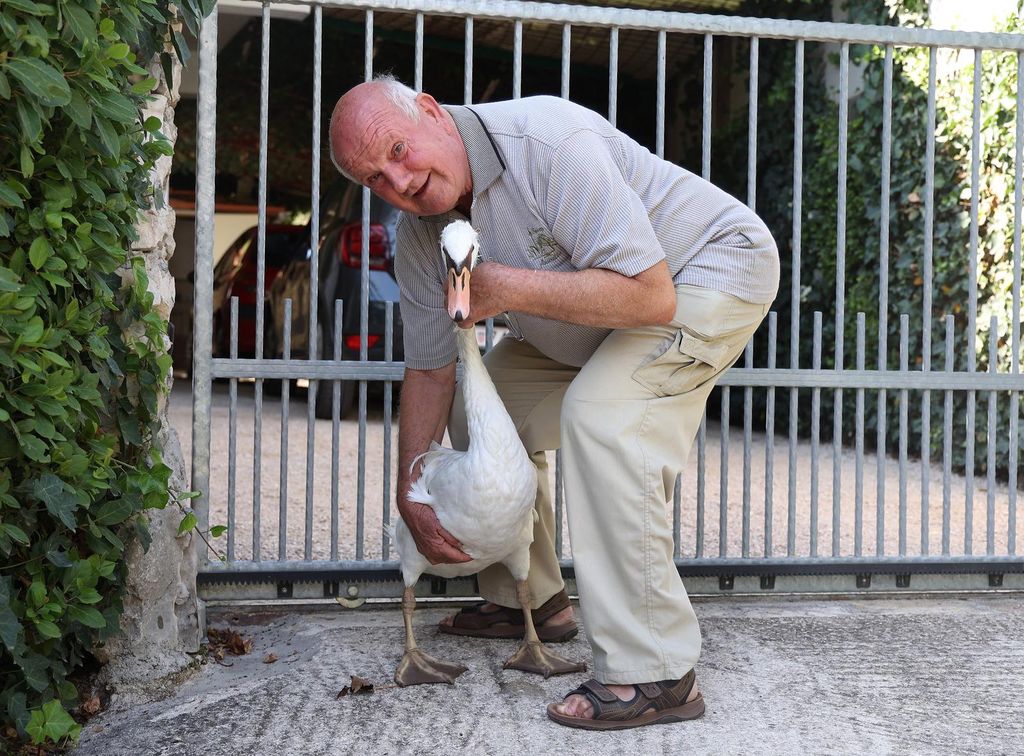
(235, 275)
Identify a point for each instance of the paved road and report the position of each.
(864, 676)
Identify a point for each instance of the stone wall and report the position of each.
(161, 621)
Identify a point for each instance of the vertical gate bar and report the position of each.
(755, 46)
(389, 338)
(335, 431)
(904, 367)
(815, 431)
(837, 401)
(232, 432)
(858, 476)
(364, 309)
(312, 338)
(282, 517)
(261, 248)
(558, 503)
(769, 436)
(947, 441)
(566, 51)
(467, 71)
(517, 60)
(926, 275)
(972, 305)
(883, 301)
(705, 129)
(1015, 354)
(723, 477)
(677, 498)
(702, 441)
(993, 419)
(418, 75)
(613, 75)
(659, 117)
(202, 317)
(748, 419)
(794, 290)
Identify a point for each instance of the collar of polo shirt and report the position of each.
(485, 161)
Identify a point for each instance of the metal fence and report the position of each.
(774, 532)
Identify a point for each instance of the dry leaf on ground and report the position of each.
(359, 685)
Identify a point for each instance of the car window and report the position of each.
(232, 260)
(282, 248)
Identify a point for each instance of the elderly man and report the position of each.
(629, 285)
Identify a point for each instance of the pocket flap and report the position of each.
(708, 353)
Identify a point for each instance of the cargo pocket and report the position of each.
(685, 363)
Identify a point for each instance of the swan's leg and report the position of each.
(534, 656)
(416, 667)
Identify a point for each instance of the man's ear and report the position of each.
(430, 108)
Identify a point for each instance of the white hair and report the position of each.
(395, 92)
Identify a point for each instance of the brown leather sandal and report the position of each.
(506, 622)
(654, 703)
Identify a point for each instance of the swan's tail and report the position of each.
(418, 490)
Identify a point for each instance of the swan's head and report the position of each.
(459, 247)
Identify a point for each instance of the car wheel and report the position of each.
(324, 409)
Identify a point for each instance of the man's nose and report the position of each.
(399, 178)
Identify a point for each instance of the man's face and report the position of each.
(417, 166)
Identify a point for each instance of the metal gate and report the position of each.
(770, 533)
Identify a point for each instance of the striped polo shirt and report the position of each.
(557, 187)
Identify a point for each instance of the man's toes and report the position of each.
(578, 706)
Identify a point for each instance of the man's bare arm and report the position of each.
(595, 296)
(426, 401)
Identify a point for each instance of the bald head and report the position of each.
(402, 145)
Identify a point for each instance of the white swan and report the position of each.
(483, 496)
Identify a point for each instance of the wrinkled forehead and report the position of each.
(363, 131)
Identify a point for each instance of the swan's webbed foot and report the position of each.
(418, 668)
(535, 657)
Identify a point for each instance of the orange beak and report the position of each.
(458, 294)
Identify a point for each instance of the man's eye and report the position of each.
(398, 149)
(373, 179)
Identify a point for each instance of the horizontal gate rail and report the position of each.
(687, 23)
(866, 379)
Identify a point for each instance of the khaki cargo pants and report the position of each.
(625, 422)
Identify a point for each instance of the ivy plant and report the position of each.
(83, 354)
(951, 229)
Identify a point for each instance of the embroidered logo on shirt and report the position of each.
(543, 247)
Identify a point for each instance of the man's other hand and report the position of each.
(433, 541)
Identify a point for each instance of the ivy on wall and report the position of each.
(83, 356)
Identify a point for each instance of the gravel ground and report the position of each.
(362, 537)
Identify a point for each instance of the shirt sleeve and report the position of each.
(428, 335)
(593, 213)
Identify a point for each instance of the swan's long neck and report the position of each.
(486, 415)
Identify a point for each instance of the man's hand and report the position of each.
(434, 542)
(485, 293)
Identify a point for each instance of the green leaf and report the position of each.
(27, 163)
(80, 22)
(188, 522)
(118, 51)
(218, 530)
(87, 616)
(47, 629)
(39, 252)
(145, 86)
(116, 106)
(10, 628)
(59, 502)
(14, 532)
(5, 87)
(114, 512)
(79, 110)
(30, 119)
(9, 197)
(34, 667)
(41, 79)
(108, 137)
